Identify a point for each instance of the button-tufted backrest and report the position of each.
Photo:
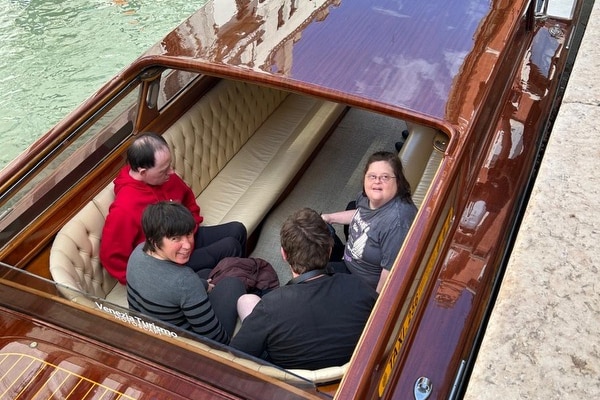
(210, 133)
(74, 259)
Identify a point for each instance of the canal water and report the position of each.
(54, 54)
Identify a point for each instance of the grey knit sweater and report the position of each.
(172, 293)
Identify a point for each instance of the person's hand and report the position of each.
(211, 286)
(325, 217)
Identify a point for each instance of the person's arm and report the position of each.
(198, 311)
(190, 202)
(341, 217)
(118, 241)
(252, 336)
(392, 241)
(382, 279)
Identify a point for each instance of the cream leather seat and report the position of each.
(421, 156)
(298, 376)
(74, 257)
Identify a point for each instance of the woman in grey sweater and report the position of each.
(161, 285)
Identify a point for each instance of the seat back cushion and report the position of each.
(74, 256)
(415, 153)
(210, 133)
(249, 185)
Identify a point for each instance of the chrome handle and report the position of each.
(423, 387)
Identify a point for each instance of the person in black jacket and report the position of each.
(315, 321)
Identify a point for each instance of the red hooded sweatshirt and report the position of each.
(123, 227)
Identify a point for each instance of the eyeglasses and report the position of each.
(382, 178)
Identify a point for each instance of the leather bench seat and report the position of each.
(74, 256)
(247, 186)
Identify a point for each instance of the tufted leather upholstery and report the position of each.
(74, 256)
(213, 131)
(238, 165)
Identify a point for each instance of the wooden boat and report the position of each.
(269, 105)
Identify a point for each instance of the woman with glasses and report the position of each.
(378, 224)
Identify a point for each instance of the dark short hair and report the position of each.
(306, 240)
(165, 219)
(393, 160)
(140, 153)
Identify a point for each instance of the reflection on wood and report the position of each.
(28, 372)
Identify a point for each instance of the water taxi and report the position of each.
(269, 106)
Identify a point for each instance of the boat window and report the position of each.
(173, 82)
(555, 8)
(67, 161)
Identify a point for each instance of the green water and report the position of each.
(54, 54)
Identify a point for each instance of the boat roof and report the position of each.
(406, 55)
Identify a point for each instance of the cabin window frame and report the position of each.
(554, 9)
(68, 158)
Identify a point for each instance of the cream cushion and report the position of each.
(421, 159)
(319, 376)
(74, 256)
(249, 185)
(239, 165)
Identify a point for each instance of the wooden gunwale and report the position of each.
(136, 346)
(463, 349)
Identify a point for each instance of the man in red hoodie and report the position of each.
(147, 179)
